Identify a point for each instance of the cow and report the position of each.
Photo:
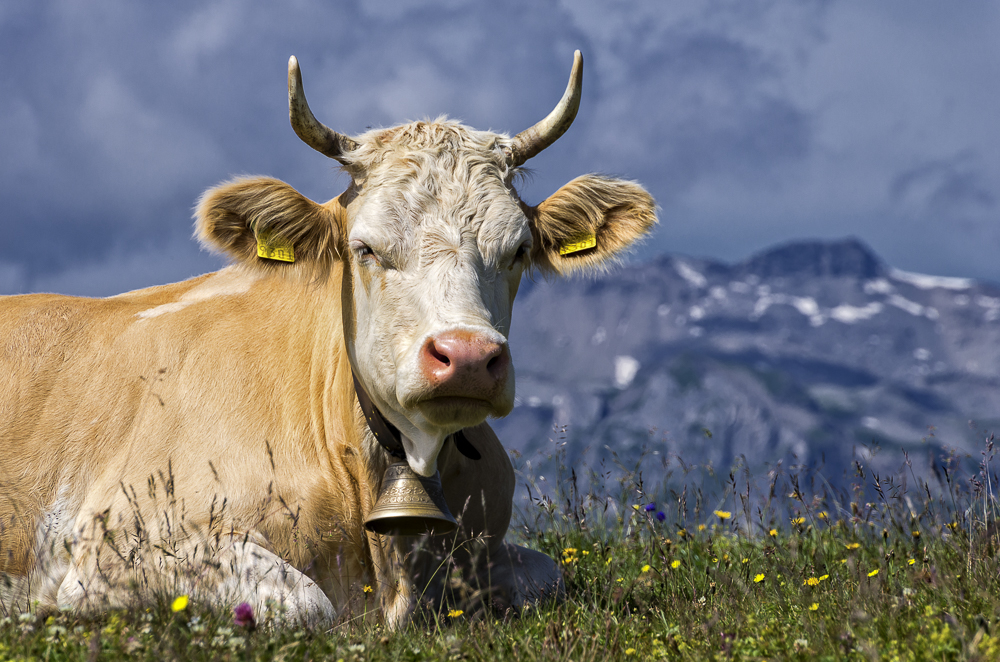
(205, 438)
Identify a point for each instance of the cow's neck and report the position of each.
(388, 435)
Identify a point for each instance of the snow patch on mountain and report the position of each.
(626, 368)
(689, 274)
(903, 303)
(849, 314)
(926, 282)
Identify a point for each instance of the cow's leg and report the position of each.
(519, 576)
(393, 580)
(276, 590)
(239, 571)
(480, 494)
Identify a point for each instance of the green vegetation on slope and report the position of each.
(893, 570)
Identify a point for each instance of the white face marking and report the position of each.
(434, 253)
(226, 282)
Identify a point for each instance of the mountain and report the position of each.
(805, 352)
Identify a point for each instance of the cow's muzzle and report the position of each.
(464, 366)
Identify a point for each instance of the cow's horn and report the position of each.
(530, 142)
(313, 132)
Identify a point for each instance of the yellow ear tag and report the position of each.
(273, 247)
(579, 243)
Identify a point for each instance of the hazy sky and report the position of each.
(751, 122)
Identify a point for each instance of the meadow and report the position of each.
(781, 565)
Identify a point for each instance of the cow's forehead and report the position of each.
(428, 183)
(442, 144)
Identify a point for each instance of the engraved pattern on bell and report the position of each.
(410, 504)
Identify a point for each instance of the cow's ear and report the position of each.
(588, 223)
(266, 224)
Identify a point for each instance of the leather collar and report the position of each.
(388, 435)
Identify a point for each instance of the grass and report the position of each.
(887, 568)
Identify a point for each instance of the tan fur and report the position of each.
(615, 211)
(217, 417)
(231, 216)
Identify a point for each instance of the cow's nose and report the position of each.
(465, 363)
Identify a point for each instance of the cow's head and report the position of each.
(433, 241)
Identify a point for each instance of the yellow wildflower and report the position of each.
(814, 606)
(911, 561)
(608, 562)
(180, 603)
(759, 578)
(701, 527)
(585, 552)
(853, 545)
(455, 613)
(812, 581)
(368, 589)
(773, 533)
(619, 580)
(823, 515)
(745, 561)
(873, 572)
(675, 564)
(681, 533)
(645, 568)
(630, 651)
(798, 520)
(569, 551)
(723, 514)
(824, 577)
(916, 534)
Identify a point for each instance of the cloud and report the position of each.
(206, 33)
(143, 152)
(951, 189)
(140, 267)
(752, 122)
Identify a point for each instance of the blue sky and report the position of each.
(751, 122)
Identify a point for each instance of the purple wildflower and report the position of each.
(660, 516)
(243, 616)
(650, 507)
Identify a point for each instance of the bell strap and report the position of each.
(388, 435)
(465, 446)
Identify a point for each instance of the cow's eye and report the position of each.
(363, 251)
(521, 254)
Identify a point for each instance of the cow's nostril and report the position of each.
(497, 365)
(437, 355)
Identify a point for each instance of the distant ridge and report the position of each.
(848, 257)
(806, 350)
